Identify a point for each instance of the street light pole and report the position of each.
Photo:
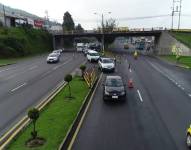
(4, 16)
(180, 9)
(103, 42)
(102, 30)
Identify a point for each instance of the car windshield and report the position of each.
(113, 82)
(94, 54)
(53, 55)
(107, 61)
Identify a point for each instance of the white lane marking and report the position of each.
(55, 68)
(33, 67)
(140, 95)
(12, 76)
(18, 87)
(4, 70)
(176, 83)
(130, 70)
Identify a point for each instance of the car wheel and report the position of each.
(188, 140)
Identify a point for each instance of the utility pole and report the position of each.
(172, 16)
(102, 30)
(178, 4)
(180, 9)
(5, 24)
(103, 42)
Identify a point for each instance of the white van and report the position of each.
(93, 55)
(79, 47)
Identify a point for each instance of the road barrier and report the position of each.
(90, 76)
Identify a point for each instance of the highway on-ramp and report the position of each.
(25, 84)
(155, 115)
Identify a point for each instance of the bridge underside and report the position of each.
(61, 40)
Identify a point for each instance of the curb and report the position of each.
(7, 64)
(70, 134)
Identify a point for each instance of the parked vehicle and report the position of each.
(53, 58)
(114, 89)
(106, 64)
(92, 56)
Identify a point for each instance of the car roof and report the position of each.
(113, 77)
(53, 54)
(92, 51)
(106, 58)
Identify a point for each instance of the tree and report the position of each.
(68, 23)
(110, 25)
(33, 114)
(79, 28)
(83, 68)
(68, 79)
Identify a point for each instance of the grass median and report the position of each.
(55, 119)
(184, 60)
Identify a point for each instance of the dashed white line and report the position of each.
(18, 87)
(4, 70)
(189, 95)
(130, 70)
(141, 99)
(34, 67)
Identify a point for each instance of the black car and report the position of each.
(114, 89)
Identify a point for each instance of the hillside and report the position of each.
(16, 42)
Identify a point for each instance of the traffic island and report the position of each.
(55, 119)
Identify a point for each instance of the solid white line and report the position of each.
(140, 95)
(18, 87)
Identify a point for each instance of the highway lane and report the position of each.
(155, 115)
(31, 81)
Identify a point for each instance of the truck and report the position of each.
(79, 47)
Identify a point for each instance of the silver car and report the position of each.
(53, 58)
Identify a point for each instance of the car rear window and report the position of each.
(107, 61)
(114, 82)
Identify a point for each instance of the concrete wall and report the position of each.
(167, 42)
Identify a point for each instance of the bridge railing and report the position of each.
(115, 31)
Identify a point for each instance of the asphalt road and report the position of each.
(155, 115)
(26, 83)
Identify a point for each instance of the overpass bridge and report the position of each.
(58, 39)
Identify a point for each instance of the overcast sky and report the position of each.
(82, 11)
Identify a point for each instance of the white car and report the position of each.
(92, 55)
(52, 58)
(106, 64)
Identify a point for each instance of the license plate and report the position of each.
(114, 97)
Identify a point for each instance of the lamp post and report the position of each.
(102, 30)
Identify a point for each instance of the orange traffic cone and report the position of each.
(130, 83)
